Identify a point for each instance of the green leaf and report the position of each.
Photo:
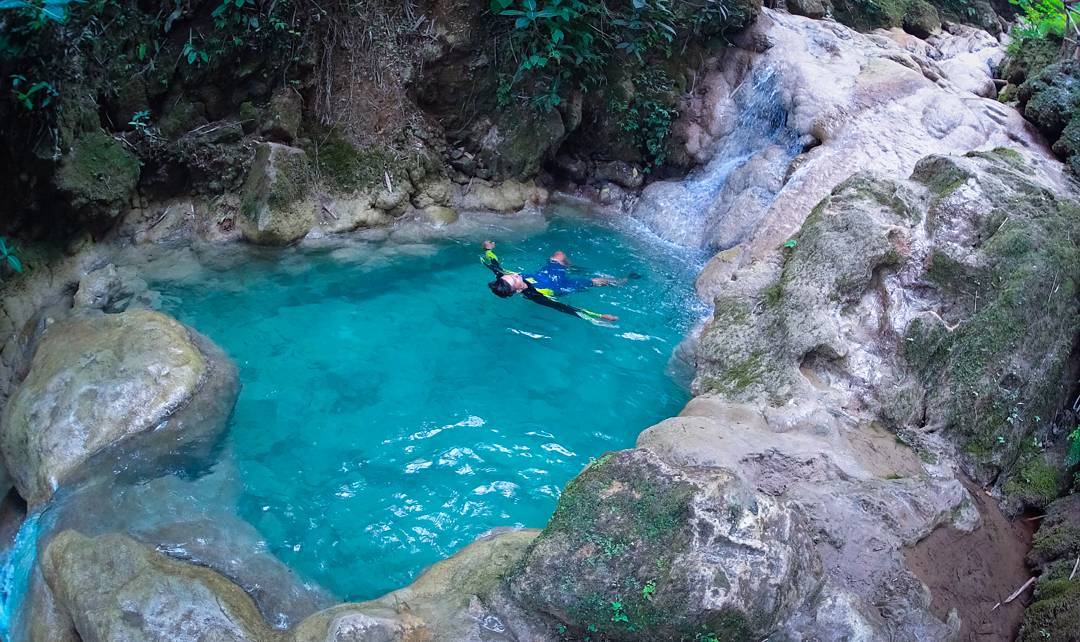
(141, 51)
(15, 263)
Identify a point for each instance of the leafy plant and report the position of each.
(32, 95)
(7, 252)
(648, 590)
(193, 54)
(1072, 457)
(617, 612)
(1043, 18)
(141, 119)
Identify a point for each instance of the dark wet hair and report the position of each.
(501, 288)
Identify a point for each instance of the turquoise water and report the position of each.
(393, 409)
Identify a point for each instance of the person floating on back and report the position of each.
(550, 281)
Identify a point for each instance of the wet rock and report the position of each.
(810, 8)
(281, 120)
(440, 215)
(621, 173)
(433, 192)
(98, 174)
(921, 19)
(679, 550)
(98, 381)
(339, 215)
(571, 167)
(113, 588)
(448, 602)
(109, 289)
(276, 208)
(507, 196)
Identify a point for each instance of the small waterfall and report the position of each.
(15, 569)
(692, 212)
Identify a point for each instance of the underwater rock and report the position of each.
(101, 380)
(109, 289)
(678, 550)
(440, 215)
(112, 588)
(276, 209)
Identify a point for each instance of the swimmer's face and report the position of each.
(515, 281)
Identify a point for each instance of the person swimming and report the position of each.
(541, 287)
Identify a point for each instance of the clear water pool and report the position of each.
(393, 409)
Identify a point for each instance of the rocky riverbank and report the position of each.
(894, 311)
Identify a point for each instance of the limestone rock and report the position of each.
(621, 173)
(507, 196)
(440, 215)
(98, 174)
(109, 289)
(282, 116)
(276, 209)
(810, 8)
(97, 381)
(680, 550)
(113, 588)
(346, 214)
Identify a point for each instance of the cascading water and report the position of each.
(16, 564)
(693, 211)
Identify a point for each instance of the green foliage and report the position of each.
(556, 47)
(140, 119)
(1072, 457)
(32, 96)
(1042, 18)
(7, 253)
(648, 114)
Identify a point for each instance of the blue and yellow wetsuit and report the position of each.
(547, 283)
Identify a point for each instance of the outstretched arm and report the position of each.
(549, 302)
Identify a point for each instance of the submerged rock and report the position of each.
(99, 380)
(110, 289)
(276, 209)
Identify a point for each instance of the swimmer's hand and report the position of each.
(611, 318)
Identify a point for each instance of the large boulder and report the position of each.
(641, 550)
(877, 294)
(113, 588)
(100, 380)
(276, 208)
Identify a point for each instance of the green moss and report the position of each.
(941, 174)
(1055, 613)
(345, 167)
(1000, 368)
(98, 171)
(1036, 484)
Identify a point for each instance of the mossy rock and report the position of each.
(275, 209)
(921, 19)
(993, 377)
(1055, 612)
(625, 557)
(1051, 98)
(98, 174)
(1028, 56)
